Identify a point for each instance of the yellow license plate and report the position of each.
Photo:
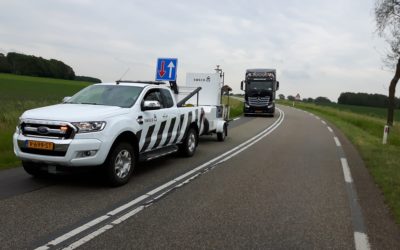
(258, 111)
(40, 145)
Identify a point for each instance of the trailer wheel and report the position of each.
(222, 135)
(188, 147)
(120, 164)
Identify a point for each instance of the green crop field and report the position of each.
(370, 111)
(19, 93)
(364, 127)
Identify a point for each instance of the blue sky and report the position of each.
(319, 47)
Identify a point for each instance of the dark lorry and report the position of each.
(260, 88)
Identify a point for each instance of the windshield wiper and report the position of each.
(90, 103)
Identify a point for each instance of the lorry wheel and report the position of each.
(221, 136)
(120, 164)
(32, 169)
(188, 147)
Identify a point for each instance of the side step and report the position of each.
(157, 153)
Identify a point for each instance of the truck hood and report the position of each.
(74, 112)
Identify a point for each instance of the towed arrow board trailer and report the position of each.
(216, 114)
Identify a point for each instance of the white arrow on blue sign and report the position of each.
(166, 69)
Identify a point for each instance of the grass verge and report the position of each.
(236, 106)
(365, 132)
(20, 93)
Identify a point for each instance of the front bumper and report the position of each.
(259, 110)
(71, 153)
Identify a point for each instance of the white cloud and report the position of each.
(320, 48)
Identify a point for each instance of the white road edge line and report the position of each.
(323, 122)
(337, 141)
(346, 171)
(330, 129)
(96, 221)
(237, 118)
(361, 241)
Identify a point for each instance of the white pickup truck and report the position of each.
(112, 125)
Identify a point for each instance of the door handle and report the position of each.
(165, 116)
(140, 120)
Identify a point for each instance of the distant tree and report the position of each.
(226, 89)
(291, 98)
(87, 79)
(387, 16)
(281, 97)
(322, 100)
(4, 65)
(37, 66)
(364, 99)
(310, 99)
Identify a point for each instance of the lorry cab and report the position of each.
(260, 88)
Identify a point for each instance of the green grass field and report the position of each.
(364, 127)
(370, 111)
(19, 93)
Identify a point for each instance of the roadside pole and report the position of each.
(385, 134)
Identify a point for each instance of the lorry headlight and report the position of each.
(87, 127)
(246, 105)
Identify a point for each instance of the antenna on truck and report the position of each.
(124, 74)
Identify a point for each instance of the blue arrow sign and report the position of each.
(166, 69)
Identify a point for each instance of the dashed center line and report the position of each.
(337, 141)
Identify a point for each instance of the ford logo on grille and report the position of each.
(43, 130)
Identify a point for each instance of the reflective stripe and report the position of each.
(148, 138)
(178, 132)
(171, 128)
(160, 134)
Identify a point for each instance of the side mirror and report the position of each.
(241, 85)
(151, 105)
(277, 85)
(66, 99)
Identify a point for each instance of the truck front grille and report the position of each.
(43, 130)
(259, 101)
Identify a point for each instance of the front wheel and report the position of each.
(188, 147)
(120, 164)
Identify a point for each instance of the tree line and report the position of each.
(364, 99)
(20, 64)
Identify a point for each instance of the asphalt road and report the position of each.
(285, 188)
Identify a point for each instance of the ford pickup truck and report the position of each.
(108, 125)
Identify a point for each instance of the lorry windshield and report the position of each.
(260, 85)
(109, 95)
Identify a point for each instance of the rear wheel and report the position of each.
(188, 147)
(120, 164)
(222, 135)
(33, 169)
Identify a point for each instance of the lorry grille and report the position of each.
(42, 130)
(259, 101)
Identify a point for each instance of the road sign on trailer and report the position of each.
(166, 69)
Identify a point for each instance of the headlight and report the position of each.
(246, 105)
(87, 127)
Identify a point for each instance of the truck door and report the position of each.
(155, 122)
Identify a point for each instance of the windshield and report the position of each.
(109, 95)
(260, 85)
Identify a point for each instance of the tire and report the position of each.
(188, 147)
(120, 164)
(221, 136)
(33, 169)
